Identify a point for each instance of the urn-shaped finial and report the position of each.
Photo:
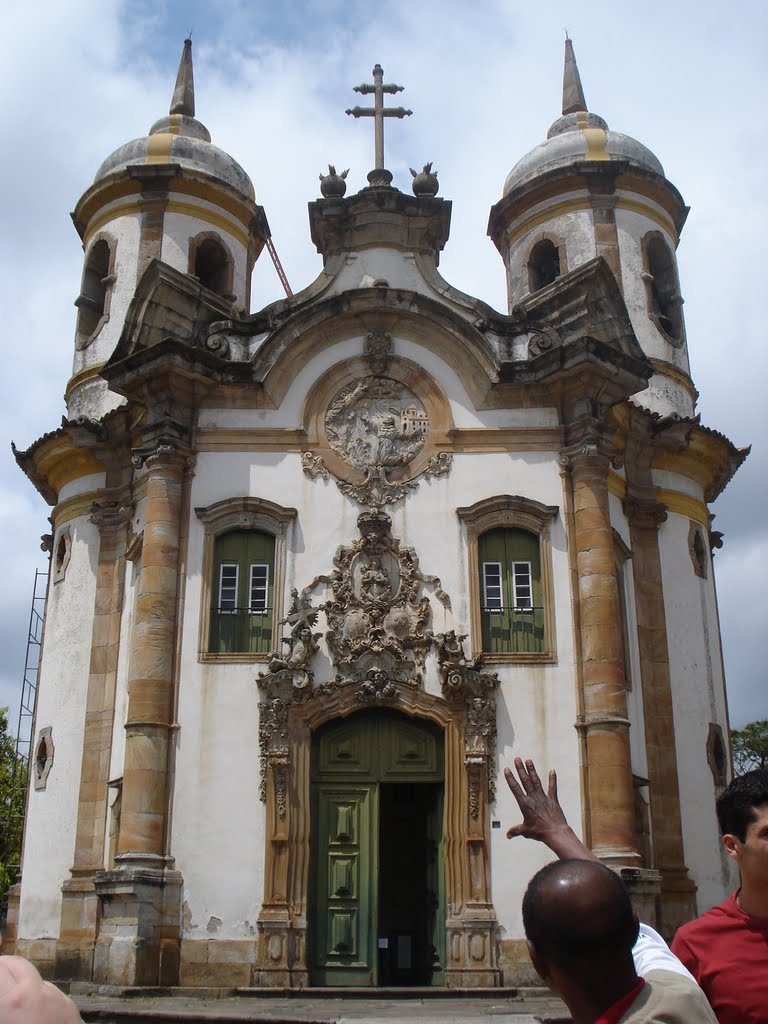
(333, 185)
(425, 182)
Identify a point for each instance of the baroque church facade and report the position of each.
(319, 571)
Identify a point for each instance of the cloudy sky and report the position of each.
(688, 78)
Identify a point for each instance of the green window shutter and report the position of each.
(514, 622)
(242, 592)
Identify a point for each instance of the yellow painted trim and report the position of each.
(583, 203)
(634, 206)
(73, 508)
(617, 485)
(523, 439)
(159, 147)
(210, 217)
(201, 213)
(684, 505)
(237, 439)
(82, 377)
(558, 210)
(122, 210)
(665, 369)
(595, 139)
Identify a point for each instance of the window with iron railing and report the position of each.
(242, 610)
(511, 608)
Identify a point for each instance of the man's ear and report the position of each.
(732, 846)
(539, 965)
(636, 931)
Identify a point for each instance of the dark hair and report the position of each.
(575, 939)
(736, 804)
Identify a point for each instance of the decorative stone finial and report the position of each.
(333, 185)
(183, 100)
(573, 94)
(425, 182)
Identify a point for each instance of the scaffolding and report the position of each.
(14, 802)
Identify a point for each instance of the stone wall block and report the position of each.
(147, 748)
(596, 560)
(208, 975)
(232, 951)
(142, 833)
(194, 951)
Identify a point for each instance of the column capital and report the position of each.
(111, 514)
(644, 513)
(591, 450)
(166, 454)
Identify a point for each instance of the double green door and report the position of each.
(377, 900)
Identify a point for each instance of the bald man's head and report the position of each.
(578, 912)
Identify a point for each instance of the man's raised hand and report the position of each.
(543, 817)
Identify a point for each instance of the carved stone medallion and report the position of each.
(376, 423)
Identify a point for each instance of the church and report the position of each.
(319, 571)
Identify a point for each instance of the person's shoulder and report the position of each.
(710, 919)
(671, 997)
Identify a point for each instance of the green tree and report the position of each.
(13, 786)
(750, 747)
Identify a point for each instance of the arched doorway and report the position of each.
(377, 880)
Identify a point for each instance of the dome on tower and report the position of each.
(180, 139)
(578, 136)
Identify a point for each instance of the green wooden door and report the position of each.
(373, 772)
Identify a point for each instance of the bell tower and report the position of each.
(588, 191)
(171, 196)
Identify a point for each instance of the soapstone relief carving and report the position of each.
(377, 636)
(463, 677)
(376, 422)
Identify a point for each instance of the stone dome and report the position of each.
(181, 139)
(578, 136)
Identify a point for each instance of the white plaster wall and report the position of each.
(179, 228)
(698, 699)
(635, 709)
(631, 228)
(218, 818)
(575, 229)
(81, 485)
(62, 686)
(463, 411)
(364, 269)
(94, 399)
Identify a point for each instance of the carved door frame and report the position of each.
(471, 927)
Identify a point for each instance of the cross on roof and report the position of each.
(379, 176)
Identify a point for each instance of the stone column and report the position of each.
(79, 909)
(139, 937)
(678, 902)
(610, 793)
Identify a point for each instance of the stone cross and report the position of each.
(379, 176)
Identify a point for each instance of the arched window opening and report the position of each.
(43, 757)
(697, 549)
(92, 302)
(511, 604)
(242, 591)
(543, 264)
(212, 266)
(664, 298)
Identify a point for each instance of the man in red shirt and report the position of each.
(583, 937)
(726, 949)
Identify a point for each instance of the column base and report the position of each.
(677, 902)
(79, 927)
(281, 954)
(12, 920)
(140, 930)
(644, 885)
(472, 955)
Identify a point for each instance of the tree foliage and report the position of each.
(13, 786)
(750, 747)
